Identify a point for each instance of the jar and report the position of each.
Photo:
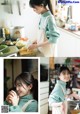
(18, 32)
(7, 33)
(2, 32)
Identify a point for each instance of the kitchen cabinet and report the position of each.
(68, 44)
(44, 88)
(44, 93)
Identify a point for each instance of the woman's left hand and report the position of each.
(13, 97)
(33, 46)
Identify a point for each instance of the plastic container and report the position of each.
(19, 32)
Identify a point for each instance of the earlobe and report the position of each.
(31, 86)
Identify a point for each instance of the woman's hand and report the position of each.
(13, 98)
(33, 46)
(76, 96)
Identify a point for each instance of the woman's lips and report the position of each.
(19, 92)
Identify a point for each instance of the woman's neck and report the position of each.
(44, 10)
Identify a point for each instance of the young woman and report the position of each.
(57, 97)
(48, 33)
(23, 100)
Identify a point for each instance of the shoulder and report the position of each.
(34, 102)
(51, 18)
(33, 106)
(56, 89)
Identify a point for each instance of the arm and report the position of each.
(35, 45)
(52, 32)
(76, 96)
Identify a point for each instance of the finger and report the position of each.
(10, 98)
(13, 92)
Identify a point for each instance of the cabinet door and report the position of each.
(44, 94)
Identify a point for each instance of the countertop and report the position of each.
(75, 33)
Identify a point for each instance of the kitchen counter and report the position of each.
(68, 44)
(35, 54)
(73, 33)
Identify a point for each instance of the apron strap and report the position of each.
(62, 89)
(26, 105)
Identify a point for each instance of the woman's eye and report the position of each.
(19, 85)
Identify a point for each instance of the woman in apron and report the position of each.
(23, 99)
(47, 33)
(57, 98)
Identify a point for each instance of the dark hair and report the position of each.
(28, 79)
(64, 68)
(32, 3)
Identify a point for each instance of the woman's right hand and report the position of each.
(12, 98)
(8, 100)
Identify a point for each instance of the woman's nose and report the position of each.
(17, 88)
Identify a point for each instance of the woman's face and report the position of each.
(22, 89)
(65, 76)
(39, 9)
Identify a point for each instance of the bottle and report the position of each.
(2, 33)
(7, 34)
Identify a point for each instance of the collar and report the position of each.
(46, 14)
(27, 97)
(61, 82)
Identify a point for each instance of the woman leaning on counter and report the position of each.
(58, 96)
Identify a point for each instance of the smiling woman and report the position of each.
(24, 99)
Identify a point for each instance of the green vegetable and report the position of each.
(4, 49)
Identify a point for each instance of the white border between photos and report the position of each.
(2, 82)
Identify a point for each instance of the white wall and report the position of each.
(59, 60)
(28, 18)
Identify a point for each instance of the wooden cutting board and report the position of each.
(25, 52)
(75, 111)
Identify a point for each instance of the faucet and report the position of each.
(69, 13)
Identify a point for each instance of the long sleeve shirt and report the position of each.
(51, 30)
(57, 95)
(32, 107)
